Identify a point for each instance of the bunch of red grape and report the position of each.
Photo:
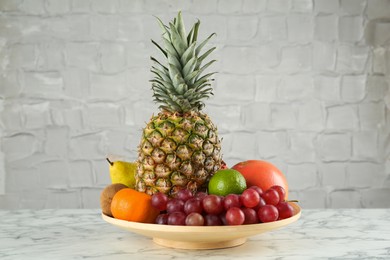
(251, 207)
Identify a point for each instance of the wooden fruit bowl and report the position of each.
(203, 237)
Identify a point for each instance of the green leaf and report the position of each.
(189, 78)
(173, 71)
(159, 94)
(199, 105)
(189, 94)
(164, 76)
(175, 75)
(198, 49)
(172, 103)
(160, 97)
(156, 61)
(185, 105)
(200, 82)
(167, 86)
(207, 76)
(179, 85)
(203, 56)
(177, 42)
(204, 96)
(164, 28)
(177, 80)
(167, 99)
(205, 67)
(172, 59)
(201, 89)
(193, 35)
(156, 86)
(180, 26)
(157, 76)
(189, 67)
(159, 47)
(182, 88)
(188, 54)
(166, 108)
(169, 47)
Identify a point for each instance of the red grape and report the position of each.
(235, 216)
(250, 198)
(159, 201)
(261, 203)
(162, 219)
(212, 204)
(212, 220)
(194, 219)
(183, 195)
(258, 189)
(250, 216)
(200, 195)
(268, 213)
(281, 191)
(177, 218)
(231, 200)
(285, 210)
(175, 205)
(271, 197)
(223, 218)
(193, 205)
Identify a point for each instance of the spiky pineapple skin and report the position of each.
(177, 151)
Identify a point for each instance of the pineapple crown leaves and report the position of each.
(180, 86)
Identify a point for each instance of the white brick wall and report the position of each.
(301, 83)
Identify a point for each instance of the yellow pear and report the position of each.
(107, 195)
(123, 172)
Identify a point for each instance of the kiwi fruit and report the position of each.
(107, 195)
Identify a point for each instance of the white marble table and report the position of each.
(77, 234)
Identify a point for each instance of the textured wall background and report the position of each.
(302, 83)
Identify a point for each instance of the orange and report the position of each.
(262, 174)
(131, 205)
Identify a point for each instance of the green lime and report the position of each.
(226, 182)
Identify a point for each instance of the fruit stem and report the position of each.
(111, 163)
(293, 201)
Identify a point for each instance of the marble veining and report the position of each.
(81, 233)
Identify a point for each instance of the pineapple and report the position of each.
(179, 147)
